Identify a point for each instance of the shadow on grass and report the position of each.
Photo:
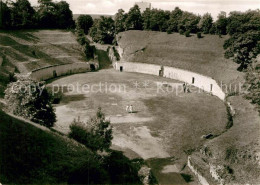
(187, 177)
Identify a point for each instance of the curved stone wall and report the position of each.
(203, 82)
(61, 70)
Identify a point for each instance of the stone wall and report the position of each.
(61, 70)
(203, 82)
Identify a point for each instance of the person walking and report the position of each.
(127, 109)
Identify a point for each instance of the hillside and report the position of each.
(204, 56)
(30, 155)
(29, 50)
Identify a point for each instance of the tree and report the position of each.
(29, 99)
(95, 134)
(244, 42)
(205, 23)
(159, 20)
(221, 24)
(243, 48)
(147, 19)
(5, 15)
(64, 15)
(22, 14)
(239, 22)
(47, 14)
(189, 22)
(134, 19)
(84, 22)
(120, 19)
(174, 20)
(103, 30)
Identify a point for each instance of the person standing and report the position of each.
(131, 108)
(184, 87)
(127, 109)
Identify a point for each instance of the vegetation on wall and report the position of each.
(87, 49)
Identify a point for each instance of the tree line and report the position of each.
(20, 14)
(243, 28)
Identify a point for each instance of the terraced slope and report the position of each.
(29, 50)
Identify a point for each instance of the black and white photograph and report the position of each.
(129, 92)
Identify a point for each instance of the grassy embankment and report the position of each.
(31, 155)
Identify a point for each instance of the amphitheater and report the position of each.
(168, 130)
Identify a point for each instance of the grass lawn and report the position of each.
(204, 56)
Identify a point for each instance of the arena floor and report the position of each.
(166, 123)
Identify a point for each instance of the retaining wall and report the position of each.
(61, 70)
(203, 82)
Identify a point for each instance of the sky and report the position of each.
(195, 6)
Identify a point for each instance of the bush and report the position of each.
(89, 51)
(181, 31)
(81, 40)
(169, 31)
(121, 169)
(31, 100)
(95, 134)
(199, 35)
(187, 34)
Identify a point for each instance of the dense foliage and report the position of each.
(84, 22)
(252, 84)
(20, 14)
(88, 50)
(244, 42)
(103, 30)
(95, 134)
(31, 100)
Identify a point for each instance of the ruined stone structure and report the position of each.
(61, 70)
(204, 83)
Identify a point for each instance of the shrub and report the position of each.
(181, 31)
(95, 134)
(31, 100)
(89, 51)
(121, 169)
(187, 34)
(169, 31)
(199, 35)
(81, 40)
